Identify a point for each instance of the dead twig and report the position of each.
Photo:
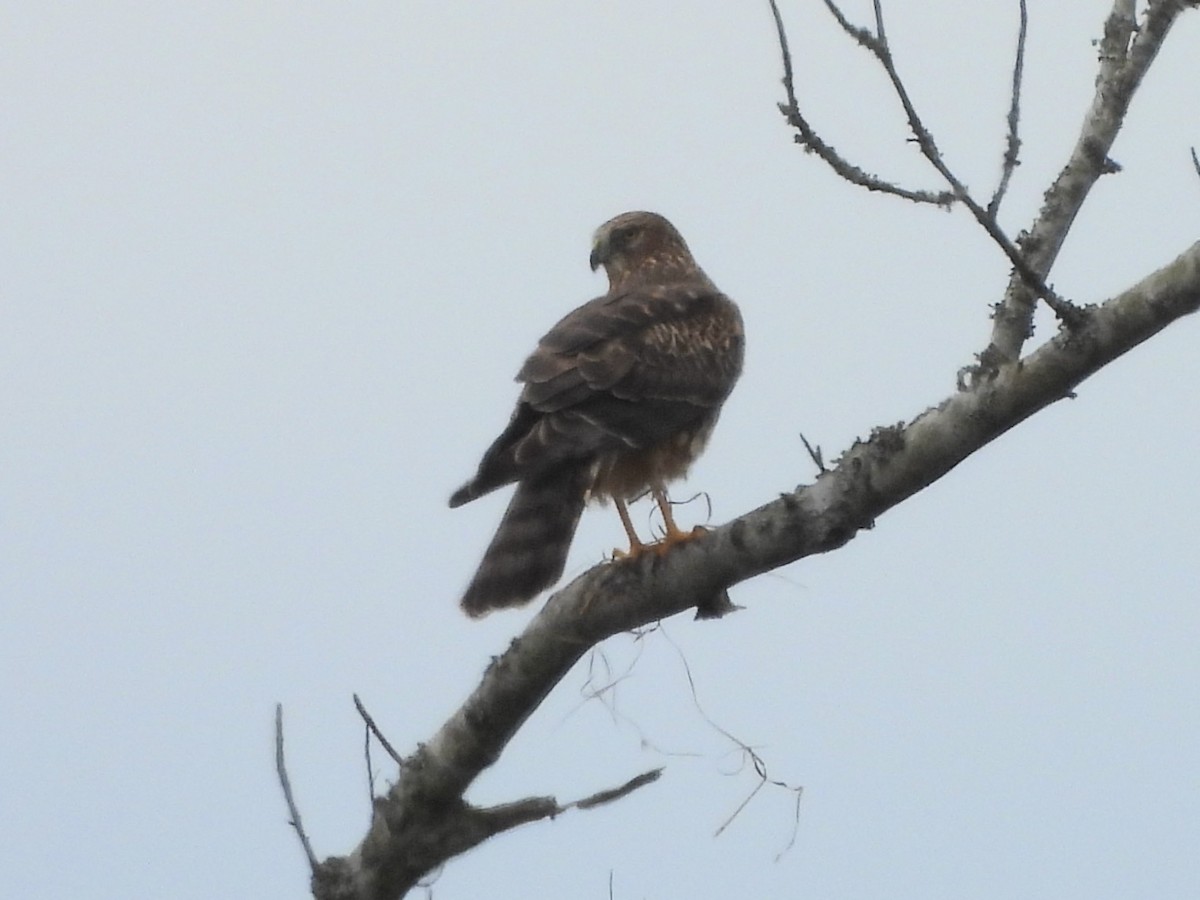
(814, 454)
(1012, 149)
(1069, 314)
(286, 784)
(601, 797)
(1126, 51)
(808, 138)
(374, 729)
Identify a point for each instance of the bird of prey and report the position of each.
(619, 398)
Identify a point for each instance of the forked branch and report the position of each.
(807, 137)
(876, 43)
(1126, 52)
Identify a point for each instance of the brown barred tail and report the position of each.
(529, 551)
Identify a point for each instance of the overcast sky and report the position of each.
(267, 273)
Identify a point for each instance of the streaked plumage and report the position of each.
(619, 398)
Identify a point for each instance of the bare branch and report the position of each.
(286, 784)
(601, 797)
(860, 35)
(812, 142)
(1126, 52)
(814, 454)
(880, 34)
(1012, 148)
(374, 729)
(1067, 312)
(423, 819)
(493, 820)
(1196, 161)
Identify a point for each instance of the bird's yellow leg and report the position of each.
(673, 534)
(636, 547)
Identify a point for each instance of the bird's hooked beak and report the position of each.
(600, 251)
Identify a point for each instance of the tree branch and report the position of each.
(286, 784)
(423, 820)
(1012, 149)
(612, 794)
(372, 728)
(405, 842)
(879, 46)
(808, 138)
(1124, 60)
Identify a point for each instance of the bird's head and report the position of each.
(638, 243)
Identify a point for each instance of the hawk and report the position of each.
(619, 398)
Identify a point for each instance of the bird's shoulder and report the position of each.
(624, 317)
(646, 340)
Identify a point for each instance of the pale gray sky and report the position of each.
(267, 272)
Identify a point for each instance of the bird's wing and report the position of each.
(622, 372)
(676, 343)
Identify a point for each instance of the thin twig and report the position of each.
(1012, 148)
(1066, 311)
(495, 819)
(1127, 50)
(812, 142)
(880, 34)
(608, 796)
(370, 764)
(814, 454)
(286, 784)
(860, 35)
(1196, 161)
(374, 729)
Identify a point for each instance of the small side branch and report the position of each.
(413, 835)
(1126, 52)
(814, 453)
(1066, 311)
(286, 784)
(601, 797)
(374, 729)
(877, 44)
(1012, 149)
(485, 823)
(808, 138)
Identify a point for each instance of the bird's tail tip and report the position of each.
(464, 494)
(529, 550)
(477, 608)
